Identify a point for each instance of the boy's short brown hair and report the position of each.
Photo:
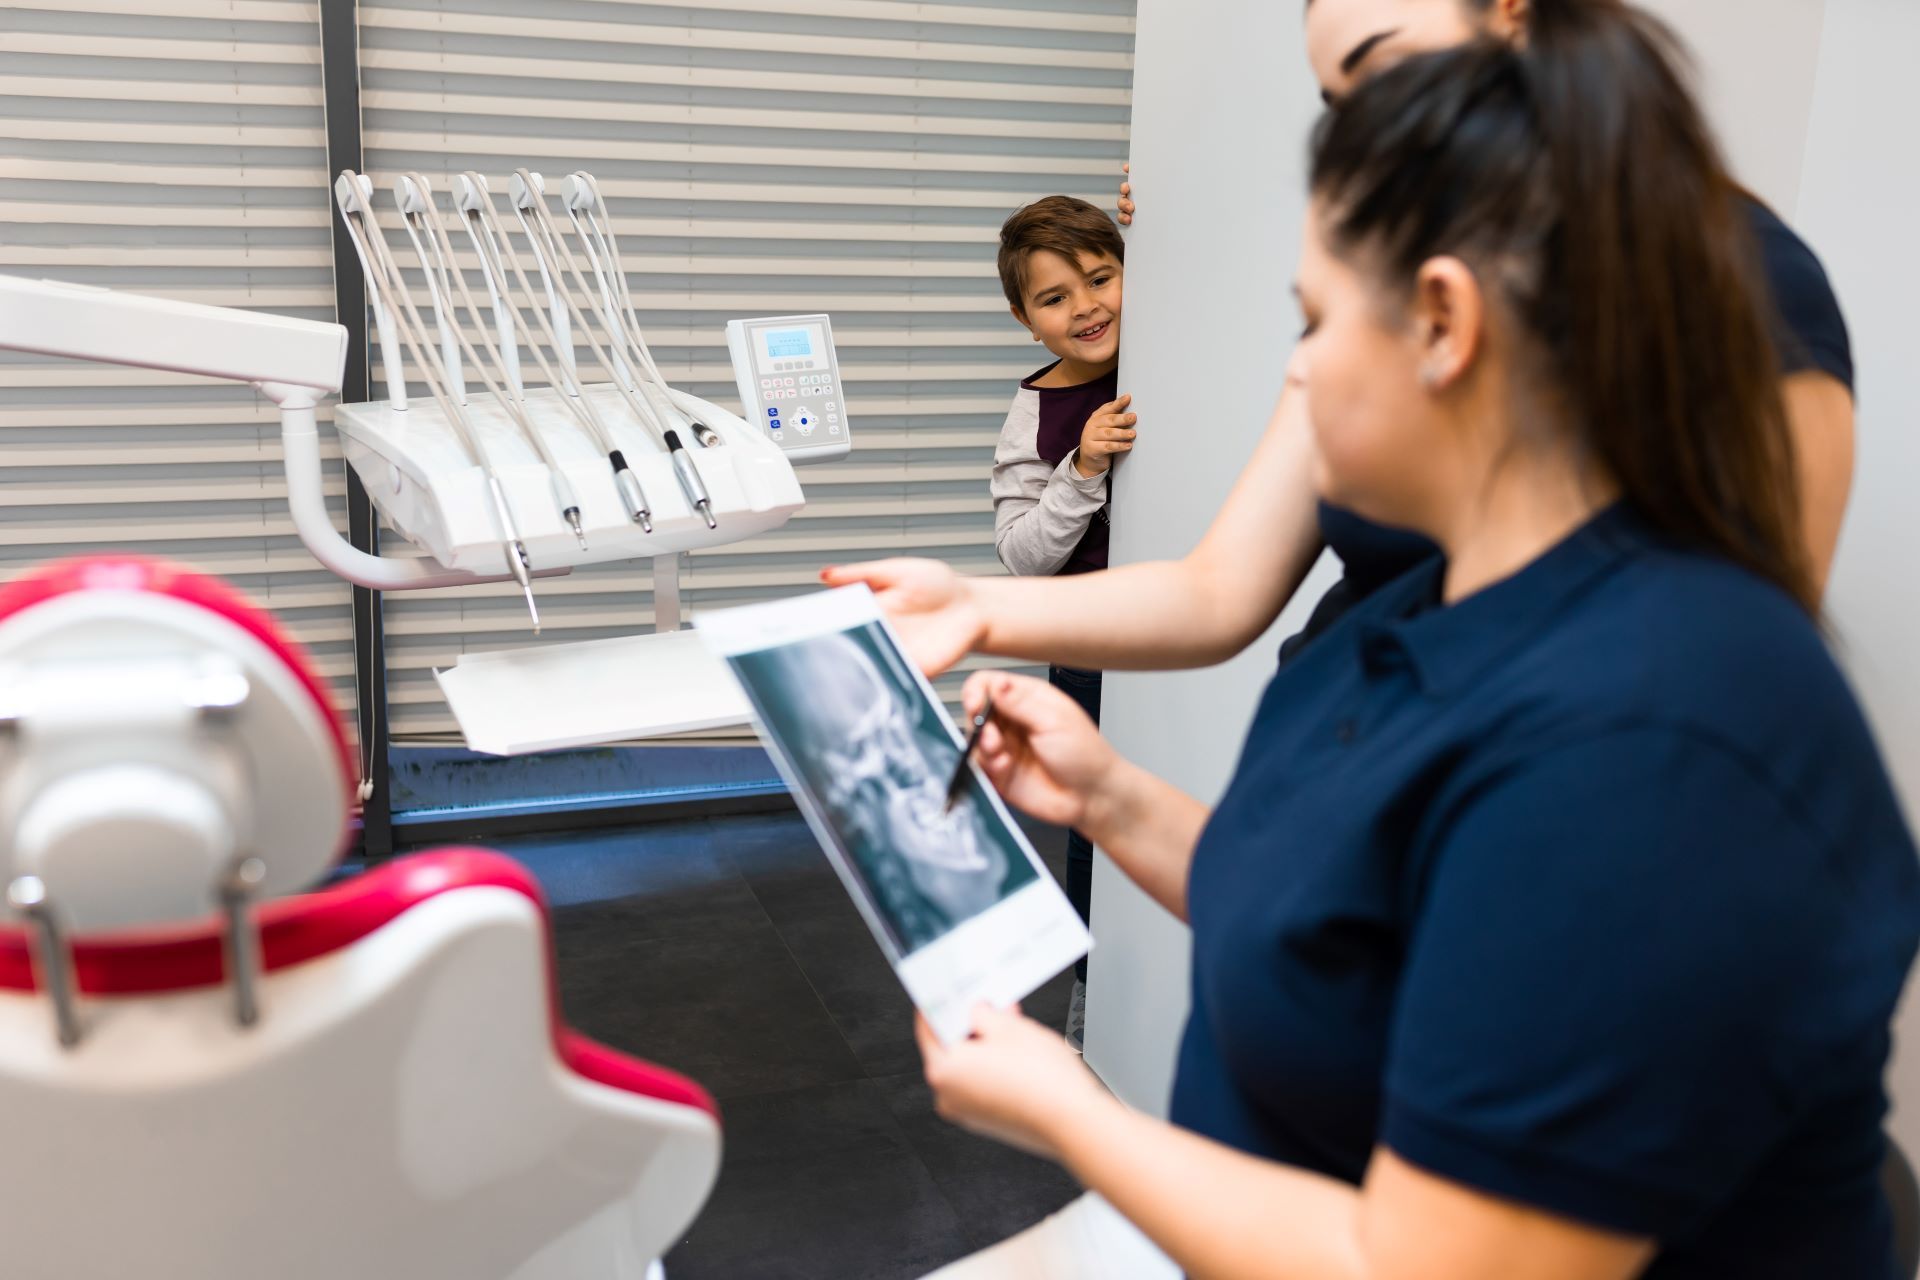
(1062, 224)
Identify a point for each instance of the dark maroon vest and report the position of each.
(1063, 416)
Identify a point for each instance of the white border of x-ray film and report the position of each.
(999, 956)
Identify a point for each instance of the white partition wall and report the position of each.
(1816, 108)
(1756, 62)
(1860, 187)
(1222, 104)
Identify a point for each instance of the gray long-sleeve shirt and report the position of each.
(1041, 510)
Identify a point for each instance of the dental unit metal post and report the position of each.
(52, 954)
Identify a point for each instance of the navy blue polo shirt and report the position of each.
(1809, 334)
(1589, 891)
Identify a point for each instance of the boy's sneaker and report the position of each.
(1077, 1017)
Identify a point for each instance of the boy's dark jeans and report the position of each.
(1084, 688)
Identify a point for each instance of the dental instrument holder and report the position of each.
(709, 476)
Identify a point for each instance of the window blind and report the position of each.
(176, 148)
(764, 157)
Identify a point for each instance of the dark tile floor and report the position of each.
(728, 950)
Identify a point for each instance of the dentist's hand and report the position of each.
(930, 605)
(1041, 751)
(1013, 1080)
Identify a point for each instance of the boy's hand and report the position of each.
(1108, 433)
(1126, 197)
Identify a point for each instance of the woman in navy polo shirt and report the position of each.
(1555, 916)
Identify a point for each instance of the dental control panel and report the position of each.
(789, 379)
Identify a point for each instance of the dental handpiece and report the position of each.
(631, 494)
(517, 561)
(689, 476)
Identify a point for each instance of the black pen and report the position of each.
(957, 783)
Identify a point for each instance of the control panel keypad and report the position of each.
(814, 412)
(792, 361)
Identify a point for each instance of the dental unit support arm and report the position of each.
(292, 362)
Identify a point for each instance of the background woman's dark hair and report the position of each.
(1579, 179)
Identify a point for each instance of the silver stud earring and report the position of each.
(1430, 379)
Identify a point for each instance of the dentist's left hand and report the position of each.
(1013, 1080)
(1041, 751)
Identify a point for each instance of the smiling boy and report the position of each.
(1061, 266)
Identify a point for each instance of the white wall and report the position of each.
(1817, 107)
(1857, 202)
(1756, 61)
(1222, 104)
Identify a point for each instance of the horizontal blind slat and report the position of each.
(536, 28)
(494, 66)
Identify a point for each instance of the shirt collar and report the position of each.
(1447, 646)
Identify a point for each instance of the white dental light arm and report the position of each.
(82, 322)
(293, 362)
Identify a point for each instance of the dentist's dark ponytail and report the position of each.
(1578, 177)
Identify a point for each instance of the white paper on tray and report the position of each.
(958, 901)
(590, 692)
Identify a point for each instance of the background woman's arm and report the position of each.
(1191, 612)
(1820, 415)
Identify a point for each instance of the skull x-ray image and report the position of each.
(876, 756)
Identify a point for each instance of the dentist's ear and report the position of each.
(1509, 19)
(1449, 313)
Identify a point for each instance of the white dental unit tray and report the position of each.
(413, 467)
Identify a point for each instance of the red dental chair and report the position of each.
(202, 1076)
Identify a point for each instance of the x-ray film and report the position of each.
(956, 898)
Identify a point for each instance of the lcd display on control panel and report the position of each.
(784, 343)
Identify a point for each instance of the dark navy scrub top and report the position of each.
(1809, 333)
(1588, 891)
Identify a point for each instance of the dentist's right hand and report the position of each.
(1042, 753)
